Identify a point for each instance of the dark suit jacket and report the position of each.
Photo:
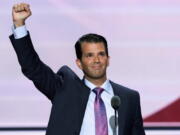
(69, 95)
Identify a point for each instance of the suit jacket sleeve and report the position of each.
(137, 128)
(34, 69)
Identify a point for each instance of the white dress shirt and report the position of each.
(88, 125)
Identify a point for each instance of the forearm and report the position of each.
(27, 57)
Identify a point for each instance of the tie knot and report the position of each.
(98, 91)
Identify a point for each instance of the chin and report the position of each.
(95, 74)
(99, 76)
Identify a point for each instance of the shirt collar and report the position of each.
(106, 86)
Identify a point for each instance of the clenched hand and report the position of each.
(20, 12)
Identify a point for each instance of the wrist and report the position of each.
(19, 23)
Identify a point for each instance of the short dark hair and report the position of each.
(90, 38)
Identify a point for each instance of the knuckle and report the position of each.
(15, 6)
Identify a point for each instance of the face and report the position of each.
(94, 60)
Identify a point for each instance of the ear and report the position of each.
(108, 60)
(78, 63)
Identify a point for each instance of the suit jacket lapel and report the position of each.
(121, 110)
(84, 92)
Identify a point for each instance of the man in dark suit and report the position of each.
(79, 107)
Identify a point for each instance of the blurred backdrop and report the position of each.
(144, 44)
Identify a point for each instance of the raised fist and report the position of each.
(20, 13)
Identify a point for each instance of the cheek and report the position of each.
(84, 64)
(87, 62)
(105, 62)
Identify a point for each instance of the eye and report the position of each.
(89, 55)
(102, 54)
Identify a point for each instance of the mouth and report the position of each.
(97, 67)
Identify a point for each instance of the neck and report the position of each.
(98, 82)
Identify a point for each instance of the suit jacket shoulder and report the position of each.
(67, 73)
(122, 90)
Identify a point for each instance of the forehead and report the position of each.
(92, 47)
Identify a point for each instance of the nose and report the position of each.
(96, 59)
